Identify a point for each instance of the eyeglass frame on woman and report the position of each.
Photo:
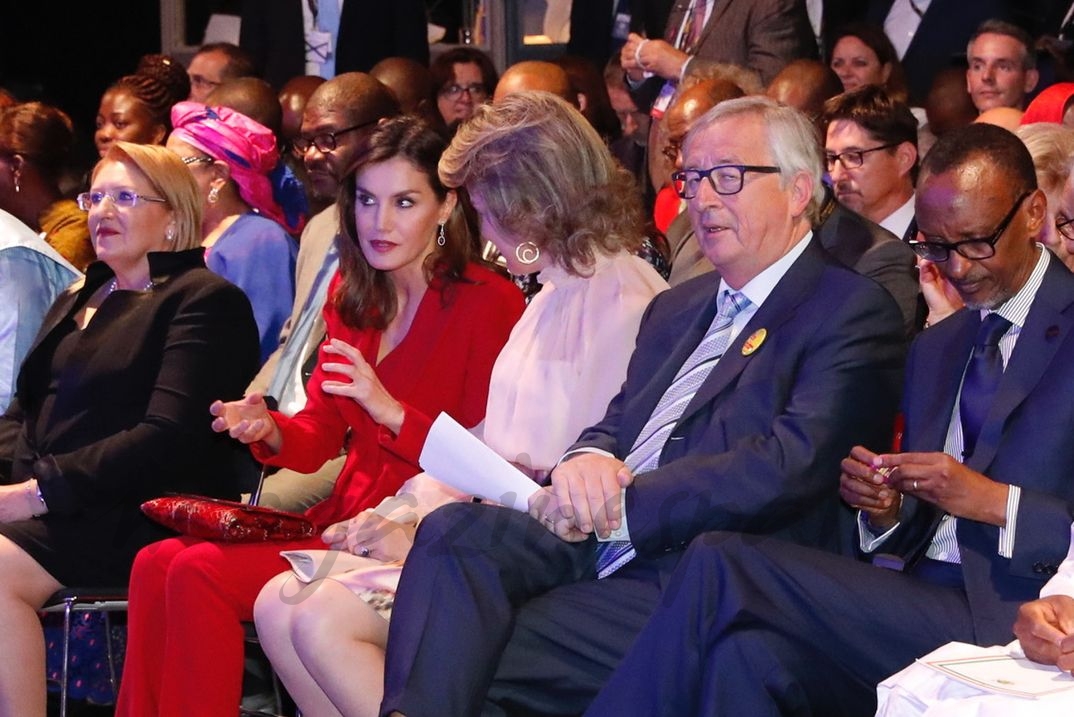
(325, 142)
(87, 200)
(831, 159)
(474, 89)
(679, 176)
(922, 248)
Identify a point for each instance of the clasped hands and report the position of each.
(248, 419)
(875, 483)
(584, 498)
(640, 55)
(369, 534)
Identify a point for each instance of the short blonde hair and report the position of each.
(1051, 146)
(546, 176)
(171, 179)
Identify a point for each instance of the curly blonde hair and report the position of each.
(546, 177)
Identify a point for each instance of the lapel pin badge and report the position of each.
(754, 341)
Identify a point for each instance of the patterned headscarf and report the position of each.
(248, 147)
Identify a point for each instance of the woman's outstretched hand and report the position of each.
(247, 421)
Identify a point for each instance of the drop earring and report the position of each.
(441, 240)
(169, 234)
(214, 195)
(16, 177)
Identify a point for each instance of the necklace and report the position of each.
(115, 285)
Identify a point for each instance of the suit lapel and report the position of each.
(719, 8)
(937, 379)
(780, 306)
(664, 374)
(1045, 330)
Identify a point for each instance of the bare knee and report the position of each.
(23, 579)
(333, 613)
(274, 607)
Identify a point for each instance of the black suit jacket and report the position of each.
(940, 40)
(126, 411)
(1024, 441)
(758, 448)
(271, 31)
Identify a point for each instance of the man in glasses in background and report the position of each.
(973, 516)
(745, 389)
(871, 155)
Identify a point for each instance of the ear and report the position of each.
(906, 156)
(583, 102)
(801, 193)
(1036, 212)
(221, 172)
(1032, 78)
(160, 133)
(448, 206)
(885, 73)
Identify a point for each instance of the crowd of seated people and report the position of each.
(833, 404)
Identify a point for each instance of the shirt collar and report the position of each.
(759, 287)
(1016, 308)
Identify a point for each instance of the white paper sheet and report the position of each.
(454, 456)
(1002, 671)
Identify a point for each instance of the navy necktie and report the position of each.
(983, 373)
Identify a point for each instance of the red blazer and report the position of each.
(443, 364)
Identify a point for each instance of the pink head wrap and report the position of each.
(248, 147)
(1050, 104)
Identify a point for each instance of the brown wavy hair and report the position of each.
(545, 176)
(365, 297)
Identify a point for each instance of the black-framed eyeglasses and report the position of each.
(1064, 226)
(853, 158)
(476, 90)
(723, 178)
(125, 198)
(195, 159)
(326, 141)
(973, 249)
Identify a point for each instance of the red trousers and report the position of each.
(188, 600)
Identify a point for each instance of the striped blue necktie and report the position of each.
(645, 455)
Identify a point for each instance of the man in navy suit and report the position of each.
(976, 513)
(498, 610)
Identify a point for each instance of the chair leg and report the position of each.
(113, 677)
(67, 607)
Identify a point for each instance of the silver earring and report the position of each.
(527, 252)
(214, 195)
(441, 240)
(169, 234)
(17, 187)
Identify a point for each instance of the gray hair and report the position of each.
(793, 141)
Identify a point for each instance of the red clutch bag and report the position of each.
(226, 520)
